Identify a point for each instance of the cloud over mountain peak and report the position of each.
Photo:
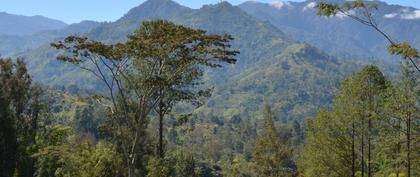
(280, 4)
(405, 13)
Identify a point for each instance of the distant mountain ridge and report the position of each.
(340, 35)
(27, 25)
(14, 44)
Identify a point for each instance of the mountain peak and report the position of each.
(155, 9)
(223, 4)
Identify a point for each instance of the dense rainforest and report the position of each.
(213, 92)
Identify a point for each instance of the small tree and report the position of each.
(272, 153)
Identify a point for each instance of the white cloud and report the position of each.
(405, 10)
(310, 5)
(411, 15)
(342, 15)
(280, 4)
(405, 14)
(391, 15)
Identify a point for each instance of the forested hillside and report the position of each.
(255, 90)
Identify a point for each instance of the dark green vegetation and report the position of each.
(164, 98)
(372, 129)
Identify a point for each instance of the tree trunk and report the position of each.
(369, 148)
(399, 147)
(363, 156)
(408, 134)
(362, 161)
(353, 158)
(161, 116)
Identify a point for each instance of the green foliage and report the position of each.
(176, 164)
(22, 98)
(328, 149)
(62, 154)
(185, 164)
(365, 132)
(168, 63)
(8, 141)
(272, 153)
(404, 49)
(157, 168)
(327, 9)
(170, 59)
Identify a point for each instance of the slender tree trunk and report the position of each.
(399, 147)
(369, 148)
(363, 155)
(161, 116)
(363, 132)
(128, 161)
(353, 158)
(161, 154)
(408, 134)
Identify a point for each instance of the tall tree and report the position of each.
(404, 111)
(129, 108)
(23, 98)
(157, 67)
(370, 88)
(347, 133)
(272, 152)
(329, 150)
(171, 58)
(8, 141)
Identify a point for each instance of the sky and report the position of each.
(72, 11)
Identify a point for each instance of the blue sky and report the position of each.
(71, 11)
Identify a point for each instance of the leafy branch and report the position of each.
(361, 12)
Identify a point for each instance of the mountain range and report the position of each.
(341, 35)
(15, 44)
(26, 25)
(274, 67)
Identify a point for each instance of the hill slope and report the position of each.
(14, 44)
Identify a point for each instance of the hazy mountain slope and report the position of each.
(296, 78)
(14, 44)
(24, 25)
(340, 35)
